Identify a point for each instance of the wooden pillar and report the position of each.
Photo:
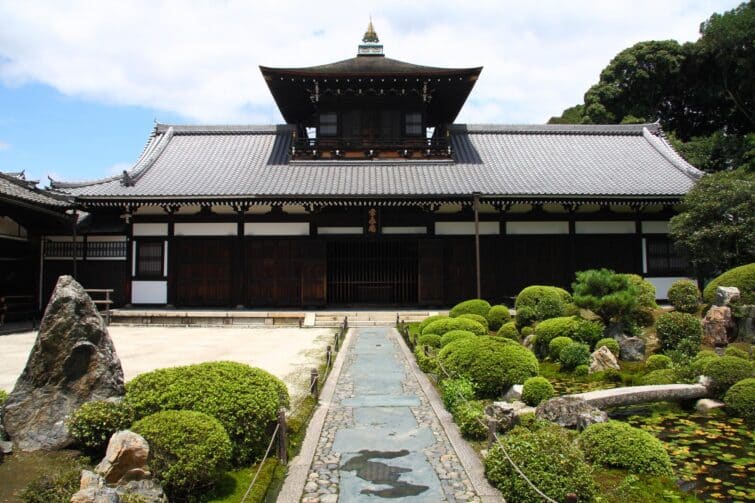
(129, 256)
(476, 204)
(239, 293)
(75, 221)
(170, 276)
(638, 262)
(572, 245)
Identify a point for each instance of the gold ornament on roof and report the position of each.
(370, 36)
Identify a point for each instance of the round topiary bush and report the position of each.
(479, 307)
(743, 277)
(684, 296)
(536, 390)
(556, 345)
(700, 362)
(547, 330)
(618, 445)
(741, 398)
(497, 316)
(476, 317)
(188, 450)
(509, 331)
(442, 326)
(94, 423)
(538, 302)
(526, 331)
(492, 363)
(611, 344)
(680, 332)
(574, 355)
(725, 371)
(453, 335)
(581, 370)
(658, 362)
(429, 320)
(432, 340)
(550, 459)
(662, 376)
(244, 399)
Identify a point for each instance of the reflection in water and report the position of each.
(383, 474)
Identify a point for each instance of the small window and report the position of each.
(149, 259)
(414, 124)
(328, 124)
(662, 259)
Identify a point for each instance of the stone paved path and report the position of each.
(381, 440)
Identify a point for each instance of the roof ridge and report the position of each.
(596, 129)
(32, 187)
(659, 143)
(224, 128)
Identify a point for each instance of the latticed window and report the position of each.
(414, 124)
(662, 259)
(149, 258)
(328, 124)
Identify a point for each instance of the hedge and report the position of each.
(473, 306)
(497, 316)
(743, 277)
(469, 417)
(429, 320)
(547, 330)
(475, 317)
(456, 390)
(442, 326)
(432, 340)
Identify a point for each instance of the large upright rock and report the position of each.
(602, 359)
(73, 361)
(718, 326)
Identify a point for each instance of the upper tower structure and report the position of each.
(370, 45)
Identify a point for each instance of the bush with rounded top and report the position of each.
(188, 450)
(476, 317)
(244, 399)
(618, 445)
(429, 320)
(735, 351)
(492, 363)
(684, 296)
(432, 340)
(497, 316)
(700, 362)
(537, 389)
(427, 364)
(469, 417)
(539, 302)
(743, 277)
(556, 345)
(680, 332)
(611, 344)
(453, 335)
(549, 457)
(658, 362)
(509, 331)
(741, 398)
(94, 423)
(479, 307)
(547, 330)
(574, 355)
(725, 371)
(581, 370)
(589, 331)
(441, 327)
(525, 331)
(642, 314)
(661, 376)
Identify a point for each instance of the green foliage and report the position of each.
(497, 316)
(537, 389)
(741, 398)
(743, 277)
(492, 363)
(244, 399)
(56, 486)
(509, 331)
(94, 423)
(473, 306)
(643, 313)
(549, 458)
(556, 345)
(611, 344)
(735, 351)
(232, 485)
(619, 445)
(589, 331)
(658, 362)
(726, 371)
(429, 320)
(431, 340)
(525, 331)
(476, 317)
(662, 376)
(468, 416)
(609, 295)
(680, 332)
(442, 326)
(456, 390)
(3, 397)
(451, 336)
(684, 296)
(574, 355)
(581, 370)
(547, 330)
(427, 364)
(188, 450)
(537, 302)
(699, 363)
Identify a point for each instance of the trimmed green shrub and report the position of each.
(94, 423)
(679, 331)
(611, 344)
(244, 399)
(432, 340)
(725, 371)
(188, 450)
(537, 389)
(734, 351)
(550, 459)
(479, 307)
(3, 397)
(429, 320)
(743, 277)
(700, 362)
(497, 316)
(525, 317)
(618, 445)
(741, 398)
(662, 376)
(525, 331)
(55, 485)
(609, 295)
(468, 416)
(547, 330)
(476, 317)
(581, 370)
(642, 314)
(453, 335)
(492, 363)
(556, 345)
(456, 390)
(589, 331)
(539, 302)
(427, 364)
(574, 355)
(684, 296)
(658, 362)
(509, 331)
(442, 326)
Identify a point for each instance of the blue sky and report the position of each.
(82, 83)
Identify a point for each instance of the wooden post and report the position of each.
(476, 203)
(338, 332)
(571, 498)
(282, 437)
(313, 375)
(426, 350)
(328, 356)
(73, 235)
(492, 429)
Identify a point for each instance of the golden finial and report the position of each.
(370, 37)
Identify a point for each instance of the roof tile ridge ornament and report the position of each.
(370, 45)
(564, 129)
(31, 186)
(658, 140)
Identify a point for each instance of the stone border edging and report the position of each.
(298, 468)
(467, 456)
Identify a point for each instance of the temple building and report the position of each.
(371, 195)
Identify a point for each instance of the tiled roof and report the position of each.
(14, 186)
(632, 161)
(370, 65)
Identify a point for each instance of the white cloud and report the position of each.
(200, 59)
(118, 168)
(4, 145)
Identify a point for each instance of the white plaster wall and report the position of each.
(465, 228)
(340, 230)
(144, 229)
(106, 239)
(149, 292)
(205, 229)
(604, 227)
(11, 228)
(655, 227)
(663, 284)
(557, 227)
(404, 230)
(276, 229)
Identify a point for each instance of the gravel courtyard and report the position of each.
(287, 353)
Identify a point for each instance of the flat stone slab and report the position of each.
(382, 401)
(631, 395)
